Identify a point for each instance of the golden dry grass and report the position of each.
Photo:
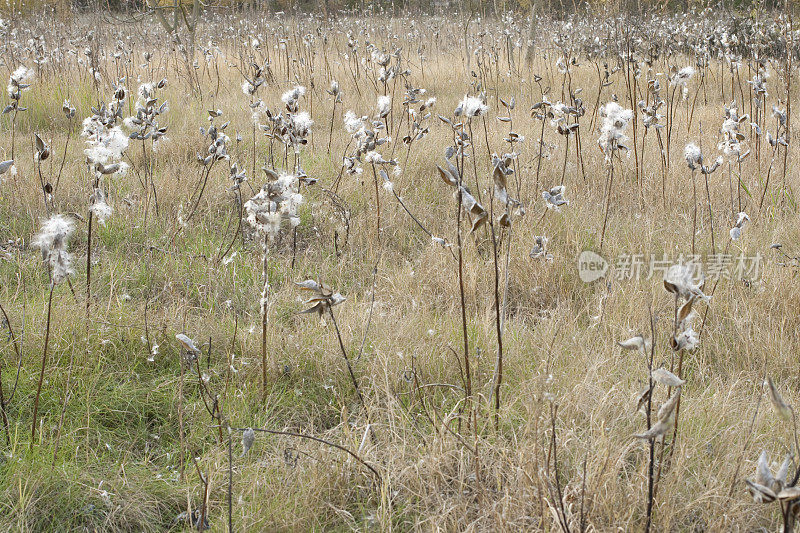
(118, 464)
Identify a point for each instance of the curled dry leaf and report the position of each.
(502, 168)
(248, 438)
(187, 343)
(778, 403)
(763, 473)
(323, 297)
(685, 310)
(634, 343)
(668, 408)
(766, 487)
(309, 285)
(451, 177)
(447, 177)
(665, 420)
(665, 377)
(687, 339)
(670, 287)
(760, 493)
(789, 493)
(659, 429)
(783, 471)
(642, 397)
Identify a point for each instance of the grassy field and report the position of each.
(132, 429)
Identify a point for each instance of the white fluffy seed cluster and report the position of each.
(275, 203)
(470, 107)
(52, 242)
(615, 121)
(19, 81)
(693, 156)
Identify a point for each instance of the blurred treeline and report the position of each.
(333, 8)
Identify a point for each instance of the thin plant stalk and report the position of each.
(3, 400)
(694, 211)
(652, 443)
(346, 358)
(608, 201)
(499, 328)
(264, 297)
(461, 292)
(44, 363)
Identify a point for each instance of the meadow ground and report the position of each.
(133, 429)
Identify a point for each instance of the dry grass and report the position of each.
(117, 468)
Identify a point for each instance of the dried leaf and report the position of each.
(665, 377)
(789, 493)
(763, 473)
(309, 285)
(319, 308)
(248, 438)
(685, 309)
(187, 343)
(760, 493)
(500, 183)
(479, 221)
(634, 343)
(446, 177)
(780, 406)
(783, 471)
(668, 408)
(671, 287)
(658, 429)
(642, 397)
